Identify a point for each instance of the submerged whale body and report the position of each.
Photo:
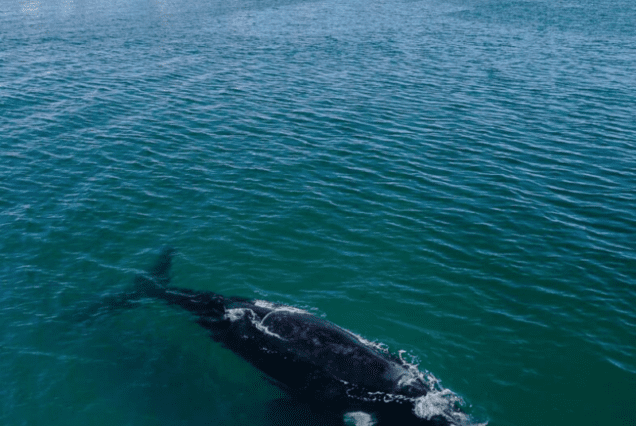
(313, 360)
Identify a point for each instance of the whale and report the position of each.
(312, 360)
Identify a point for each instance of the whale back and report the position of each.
(332, 349)
(304, 352)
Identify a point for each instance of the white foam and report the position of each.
(265, 304)
(359, 418)
(381, 347)
(263, 328)
(441, 403)
(278, 308)
(236, 314)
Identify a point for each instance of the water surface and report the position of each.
(450, 178)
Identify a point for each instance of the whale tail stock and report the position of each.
(156, 284)
(156, 280)
(152, 283)
(209, 307)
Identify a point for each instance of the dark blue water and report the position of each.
(456, 179)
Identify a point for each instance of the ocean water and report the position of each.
(451, 178)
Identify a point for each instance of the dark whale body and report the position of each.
(315, 361)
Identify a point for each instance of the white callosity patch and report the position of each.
(234, 314)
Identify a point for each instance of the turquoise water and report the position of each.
(456, 179)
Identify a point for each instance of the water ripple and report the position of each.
(461, 173)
